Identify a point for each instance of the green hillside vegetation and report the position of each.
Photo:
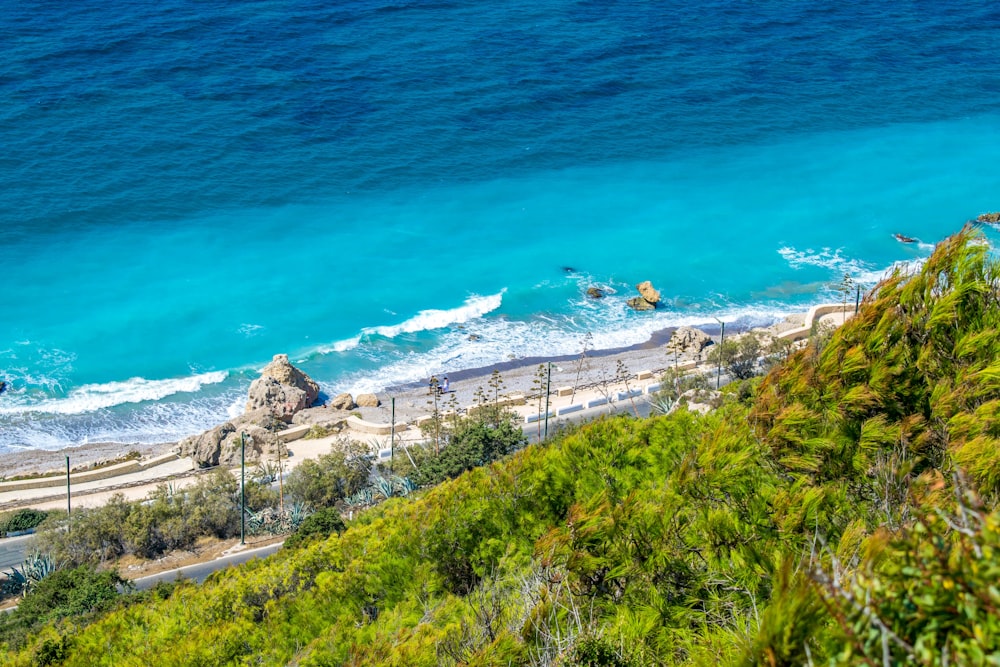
(842, 512)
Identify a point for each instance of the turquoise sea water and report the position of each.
(187, 189)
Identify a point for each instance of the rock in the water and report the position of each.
(688, 340)
(474, 337)
(282, 400)
(283, 371)
(342, 402)
(368, 401)
(991, 218)
(638, 303)
(648, 292)
(595, 292)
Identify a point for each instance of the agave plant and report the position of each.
(404, 486)
(383, 487)
(295, 515)
(34, 568)
(661, 404)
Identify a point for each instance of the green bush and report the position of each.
(318, 525)
(330, 477)
(71, 592)
(23, 519)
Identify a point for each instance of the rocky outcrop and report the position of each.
(221, 445)
(595, 292)
(688, 341)
(648, 299)
(368, 401)
(342, 402)
(281, 400)
(638, 303)
(991, 218)
(282, 370)
(274, 398)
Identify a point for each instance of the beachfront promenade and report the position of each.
(599, 392)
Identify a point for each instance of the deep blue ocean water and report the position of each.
(189, 188)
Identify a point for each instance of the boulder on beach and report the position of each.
(648, 292)
(595, 292)
(368, 401)
(283, 371)
(342, 402)
(638, 303)
(222, 445)
(688, 341)
(282, 400)
(274, 398)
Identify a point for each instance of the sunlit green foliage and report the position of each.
(825, 519)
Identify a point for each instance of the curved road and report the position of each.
(199, 571)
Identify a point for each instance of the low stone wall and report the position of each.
(107, 472)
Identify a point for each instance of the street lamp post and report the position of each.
(243, 488)
(722, 340)
(548, 389)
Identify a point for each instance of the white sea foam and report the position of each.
(861, 272)
(92, 397)
(501, 340)
(426, 320)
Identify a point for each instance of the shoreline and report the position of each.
(413, 401)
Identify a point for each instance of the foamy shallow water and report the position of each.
(174, 216)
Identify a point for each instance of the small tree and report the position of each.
(622, 375)
(587, 340)
(740, 355)
(540, 385)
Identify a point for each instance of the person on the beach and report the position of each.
(432, 386)
(444, 385)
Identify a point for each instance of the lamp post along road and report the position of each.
(722, 341)
(243, 488)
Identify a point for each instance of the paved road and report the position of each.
(199, 571)
(13, 551)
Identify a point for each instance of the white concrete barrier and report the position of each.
(565, 410)
(653, 388)
(531, 419)
(597, 402)
(625, 395)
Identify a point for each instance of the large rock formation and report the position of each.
(595, 292)
(649, 297)
(221, 445)
(281, 400)
(281, 369)
(991, 218)
(274, 398)
(688, 341)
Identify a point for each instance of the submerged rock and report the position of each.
(638, 303)
(595, 292)
(991, 218)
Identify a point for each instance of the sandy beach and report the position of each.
(575, 380)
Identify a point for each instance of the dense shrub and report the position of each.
(330, 477)
(69, 592)
(23, 519)
(319, 525)
(168, 520)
